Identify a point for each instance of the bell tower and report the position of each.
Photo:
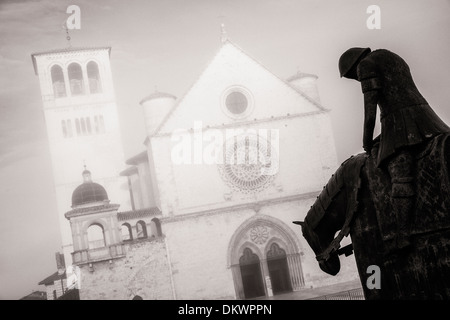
(95, 228)
(82, 124)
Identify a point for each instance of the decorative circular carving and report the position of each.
(259, 234)
(247, 163)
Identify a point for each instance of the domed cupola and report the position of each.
(88, 192)
(156, 107)
(306, 83)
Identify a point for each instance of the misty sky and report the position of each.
(167, 44)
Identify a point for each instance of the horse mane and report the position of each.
(348, 174)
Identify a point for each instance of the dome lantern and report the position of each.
(88, 192)
(86, 175)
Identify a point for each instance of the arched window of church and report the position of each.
(69, 128)
(64, 128)
(101, 124)
(59, 87)
(83, 126)
(141, 230)
(77, 125)
(96, 236)
(126, 232)
(96, 124)
(94, 77)
(156, 227)
(75, 79)
(88, 125)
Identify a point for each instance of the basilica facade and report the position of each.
(205, 211)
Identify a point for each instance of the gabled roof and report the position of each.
(139, 158)
(129, 171)
(52, 278)
(35, 295)
(304, 95)
(136, 214)
(228, 42)
(65, 50)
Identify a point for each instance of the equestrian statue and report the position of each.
(394, 199)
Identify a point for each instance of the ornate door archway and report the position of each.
(274, 253)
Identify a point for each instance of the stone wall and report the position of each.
(200, 246)
(56, 286)
(144, 271)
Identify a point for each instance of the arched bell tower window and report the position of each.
(101, 123)
(155, 226)
(83, 125)
(59, 87)
(96, 236)
(75, 79)
(141, 230)
(94, 77)
(126, 232)
(69, 128)
(64, 128)
(77, 126)
(88, 125)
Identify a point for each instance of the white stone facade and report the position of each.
(213, 230)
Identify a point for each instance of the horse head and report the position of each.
(332, 212)
(331, 265)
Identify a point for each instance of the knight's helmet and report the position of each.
(350, 59)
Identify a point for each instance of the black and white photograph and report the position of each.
(237, 151)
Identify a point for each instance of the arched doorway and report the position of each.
(275, 250)
(252, 281)
(278, 269)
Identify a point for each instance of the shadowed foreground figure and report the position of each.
(407, 121)
(394, 200)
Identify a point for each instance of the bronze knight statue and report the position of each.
(407, 121)
(394, 200)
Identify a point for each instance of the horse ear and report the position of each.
(302, 223)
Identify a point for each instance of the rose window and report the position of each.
(247, 163)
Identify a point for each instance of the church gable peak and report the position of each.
(235, 87)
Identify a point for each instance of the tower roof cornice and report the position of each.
(65, 50)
